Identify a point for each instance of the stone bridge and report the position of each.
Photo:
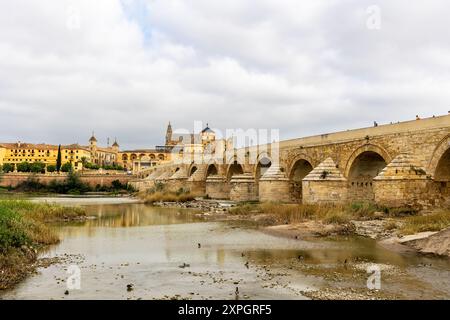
(395, 165)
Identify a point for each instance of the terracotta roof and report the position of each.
(42, 146)
(75, 146)
(108, 150)
(143, 151)
(25, 145)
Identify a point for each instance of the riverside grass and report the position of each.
(23, 231)
(406, 219)
(435, 221)
(168, 197)
(294, 213)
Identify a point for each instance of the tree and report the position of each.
(83, 162)
(75, 185)
(117, 185)
(67, 167)
(7, 167)
(37, 167)
(58, 159)
(51, 168)
(92, 166)
(23, 167)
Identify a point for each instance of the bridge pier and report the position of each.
(178, 180)
(325, 184)
(403, 183)
(243, 188)
(274, 186)
(217, 187)
(196, 182)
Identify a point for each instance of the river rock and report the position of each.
(436, 243)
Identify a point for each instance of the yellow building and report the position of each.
(76, 154)
(15, 153)
(2, 153)
(136, 160)
(103, 156)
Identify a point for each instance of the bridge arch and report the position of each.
(211, 170)
(366, 148)
(192, 170)
(363, 166)
(439, 168)
(300, 167)
(234, 169)
(439, 160)
(264, 161)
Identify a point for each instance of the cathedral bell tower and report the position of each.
(169, 135)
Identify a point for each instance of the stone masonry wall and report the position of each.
(324, 191)
(418, 194)
(217, 188)
(243, 188)
(274, 190)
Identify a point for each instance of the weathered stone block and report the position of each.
(325, 191)
(274, 190)
(243, 188)
(217, 187)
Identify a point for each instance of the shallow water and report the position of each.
(146, 246)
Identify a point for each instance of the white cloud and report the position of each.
(132, 65)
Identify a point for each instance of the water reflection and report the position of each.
(127, 215)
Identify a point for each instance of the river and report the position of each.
(162, 253)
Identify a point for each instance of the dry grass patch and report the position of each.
(296, 213)
(168, 197)
(431, 222)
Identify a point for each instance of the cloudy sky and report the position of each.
(124, 68)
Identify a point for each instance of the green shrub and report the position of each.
(37, 167)
(67, 167)
(23, 167)
(51, 168)
(11, 232)
(32, 184)
(91, 166)
(159, 186)
(117, 185)
(7, 167)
